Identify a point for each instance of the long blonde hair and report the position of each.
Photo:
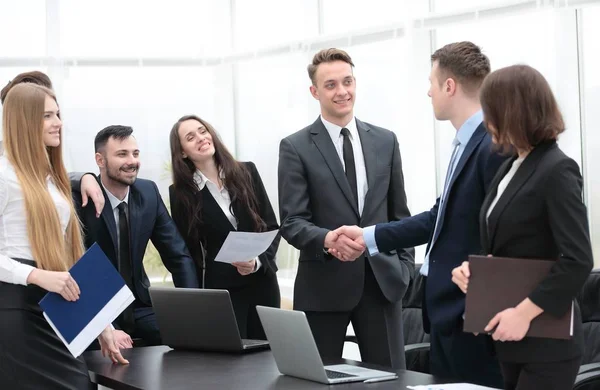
(22, 121)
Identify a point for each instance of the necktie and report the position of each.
(348, 153)
(127, 319)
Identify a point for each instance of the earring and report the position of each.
(183, 155)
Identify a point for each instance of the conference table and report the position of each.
(161, 367)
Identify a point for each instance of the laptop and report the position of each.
(198, 319)
(296, 353)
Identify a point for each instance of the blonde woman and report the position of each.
(40, 239)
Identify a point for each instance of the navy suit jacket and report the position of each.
(148, 220)
(457, 235)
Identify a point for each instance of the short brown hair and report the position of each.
(518, 103)
(463, 61)
(35, 77)
(327, 55)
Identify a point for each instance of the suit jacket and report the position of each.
(457, 233)
(541, 215)
(214, 230)
(315, 197)
(148, 220)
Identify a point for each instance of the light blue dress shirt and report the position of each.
(463, 135)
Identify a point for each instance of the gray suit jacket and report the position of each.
(315, 197)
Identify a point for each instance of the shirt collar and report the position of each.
(201, 179)
(334, 130)
(464, 134)
(114, 201)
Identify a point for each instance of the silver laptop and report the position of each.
(197, 319)
(296, 352)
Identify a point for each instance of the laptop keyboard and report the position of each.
(337, 374)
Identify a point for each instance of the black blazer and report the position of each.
(214, 230)
(541, 215)
(148, 220)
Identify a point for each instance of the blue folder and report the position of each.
(98, 281)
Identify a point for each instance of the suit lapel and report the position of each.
(524, 172)
(212, 212)
(108, 217)
(367, 140)
(473, 143)
(489, 198)
(135, 211)
(323, 142)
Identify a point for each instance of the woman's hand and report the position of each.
(509, 324)
(245, 267)
(57, 282)
(109, 347)
(512, 324)
(460, 276)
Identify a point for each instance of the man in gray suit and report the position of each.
(341, 171)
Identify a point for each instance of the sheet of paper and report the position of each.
(452, 386)
(244, 246)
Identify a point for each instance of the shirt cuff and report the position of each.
(369, 237)
(21, 273)
(257, 265)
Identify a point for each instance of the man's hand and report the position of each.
(245, 267)
(122, 339)
(343, 247)
(90, 189)
(460, 276)
(109, 347)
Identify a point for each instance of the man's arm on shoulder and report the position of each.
(171, 247)
(294, 204)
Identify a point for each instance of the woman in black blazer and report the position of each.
(534, 210)
(213, 194)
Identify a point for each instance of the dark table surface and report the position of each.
(163, 368)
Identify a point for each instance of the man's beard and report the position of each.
(113, 174)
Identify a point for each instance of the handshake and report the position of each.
(345, 243)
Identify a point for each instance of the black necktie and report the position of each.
(127, 320)
(349, 163)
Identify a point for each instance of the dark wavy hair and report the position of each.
(237, 180)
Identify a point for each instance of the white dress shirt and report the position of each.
(222, 198)
(14, 240)
(504, 183)
(335, 132)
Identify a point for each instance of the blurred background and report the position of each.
(241, 65)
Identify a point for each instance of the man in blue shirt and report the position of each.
(451, 228)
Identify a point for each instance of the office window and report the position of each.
(443, 6)
(273, 101)
(268, 23)
(340, 16)
(22, 28)
(590, 31)
(114, 28)
(546, 40)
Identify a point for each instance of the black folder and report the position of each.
(498, 283)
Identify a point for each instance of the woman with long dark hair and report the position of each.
(213, 194)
